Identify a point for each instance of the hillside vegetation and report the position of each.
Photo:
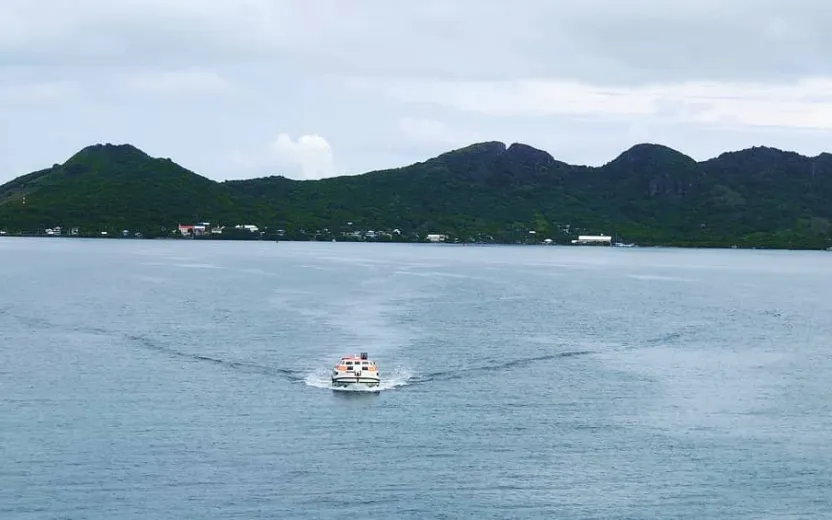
(650, 195)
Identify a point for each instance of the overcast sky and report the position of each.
(313, 88)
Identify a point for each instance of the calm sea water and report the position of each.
(182, 379)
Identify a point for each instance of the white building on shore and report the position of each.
(593, 240)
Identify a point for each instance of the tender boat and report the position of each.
(355, 370)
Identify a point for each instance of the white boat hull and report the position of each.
(347, 380)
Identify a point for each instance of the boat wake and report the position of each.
(390, 379)
(401, 376)
(320, 377)
(463, 372)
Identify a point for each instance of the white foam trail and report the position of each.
(316, 267)
(197, 266)
(393, 378)
(183, 265)
(656, 277)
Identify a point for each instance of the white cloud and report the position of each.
(310, 157)
(189, 81)
(802, 104)
(429, 131)
(39, 92)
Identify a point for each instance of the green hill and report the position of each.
(110, 187)
(650, 194)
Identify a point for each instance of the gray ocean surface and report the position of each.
(187, 379)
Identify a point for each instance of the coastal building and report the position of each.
(593, 240)
(199, 229)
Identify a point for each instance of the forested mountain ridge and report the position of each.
(650, 194)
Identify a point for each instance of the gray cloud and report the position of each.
(606, 41)
(374, 83)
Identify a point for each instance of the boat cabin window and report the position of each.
(358, 363)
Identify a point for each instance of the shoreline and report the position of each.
(436, 244)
